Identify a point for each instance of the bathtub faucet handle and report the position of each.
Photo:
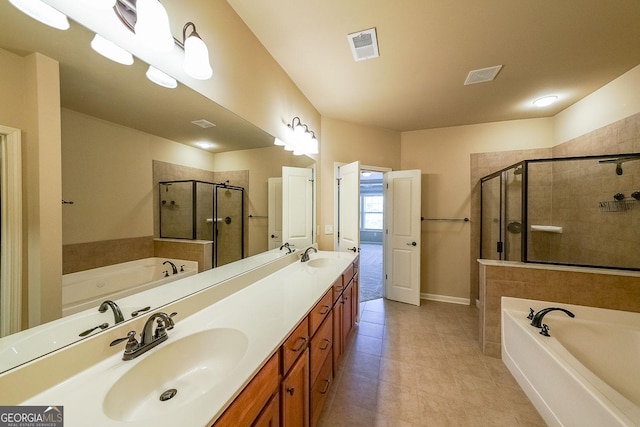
(545, 330)
(531, 313)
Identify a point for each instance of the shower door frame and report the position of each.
(216, 186)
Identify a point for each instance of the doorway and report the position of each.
(371, 235)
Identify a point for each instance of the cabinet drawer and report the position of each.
(321, 345)
(319, 312)
(295, 345)
(246, 407)
(338, 287)
(320, 389)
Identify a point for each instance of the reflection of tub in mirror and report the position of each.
(87, 289)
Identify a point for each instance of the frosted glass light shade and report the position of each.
(278, 142)
(160, 78)
(104, 4)
(196, 58)
(152, 26)
(42, 12)
(110, 50)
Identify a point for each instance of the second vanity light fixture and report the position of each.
(301, 139)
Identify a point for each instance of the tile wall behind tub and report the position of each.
(85, 256)
(620, 137)
(602, 290)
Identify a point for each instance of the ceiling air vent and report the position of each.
(364, 44)
(482, 75)
(203, 123)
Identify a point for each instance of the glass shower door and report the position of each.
(491, 230)
(229, 225)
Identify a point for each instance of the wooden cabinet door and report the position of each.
(347, 314)
(270, 415)
(337, 333)
(294, 394)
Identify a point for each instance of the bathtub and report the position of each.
(87, 289)
(587, 373)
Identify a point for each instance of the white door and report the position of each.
(349, 208)
(297, 206)
(402, 238)
(275, 212)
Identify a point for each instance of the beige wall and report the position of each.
(344, 142)
(107, 173)
(443, 155)
(31, 97)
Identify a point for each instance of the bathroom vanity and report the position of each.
(261, 348)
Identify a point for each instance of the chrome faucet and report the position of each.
(148, 338)
(289, 250)
(305, 254)
(173, 266)
(536, 320)
(117, 313)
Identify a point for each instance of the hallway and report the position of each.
(370, 272)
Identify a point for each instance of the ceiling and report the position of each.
(427, 47)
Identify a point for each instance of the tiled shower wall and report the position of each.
(617, 138)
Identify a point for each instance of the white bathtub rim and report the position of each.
(620, 407)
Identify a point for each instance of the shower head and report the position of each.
(619, 161)
(518, 171)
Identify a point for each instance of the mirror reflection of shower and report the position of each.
(204, 211)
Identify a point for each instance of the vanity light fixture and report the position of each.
(302, 140)
(160, 78)
(110, 50)
(545, 101)
(152, 26)
(42, 12)
(196, 54)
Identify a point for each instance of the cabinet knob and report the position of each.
(290, 390)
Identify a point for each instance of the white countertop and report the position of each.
(265, 312)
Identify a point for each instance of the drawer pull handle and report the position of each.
(291, 390)
(326, 343)
(327, 383)
(325, 309)
(303, 343)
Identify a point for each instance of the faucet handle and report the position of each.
(531, 313)
(132, 342)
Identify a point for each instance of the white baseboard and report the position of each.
(445, 298)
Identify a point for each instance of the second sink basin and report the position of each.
(191, 366)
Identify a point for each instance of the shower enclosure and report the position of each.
(582, 211)
(198, 210)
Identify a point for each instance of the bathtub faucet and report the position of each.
(173, 266)
(117, 313)
(537, 318)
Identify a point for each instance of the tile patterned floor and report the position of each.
(422, 366)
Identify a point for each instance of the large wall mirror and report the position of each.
(115, 124)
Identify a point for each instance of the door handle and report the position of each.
(353, 249)
(412, 244)
(273, 236)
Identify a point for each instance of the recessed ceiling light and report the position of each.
(204, 145)
(545, 101)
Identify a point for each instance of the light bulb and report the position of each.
(196, 58)
(160, 78)
(152, 26)
(110, 50)
(42, 12)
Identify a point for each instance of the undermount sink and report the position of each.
(319, 262)
(191, 366)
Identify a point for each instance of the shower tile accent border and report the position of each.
(85, 256)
